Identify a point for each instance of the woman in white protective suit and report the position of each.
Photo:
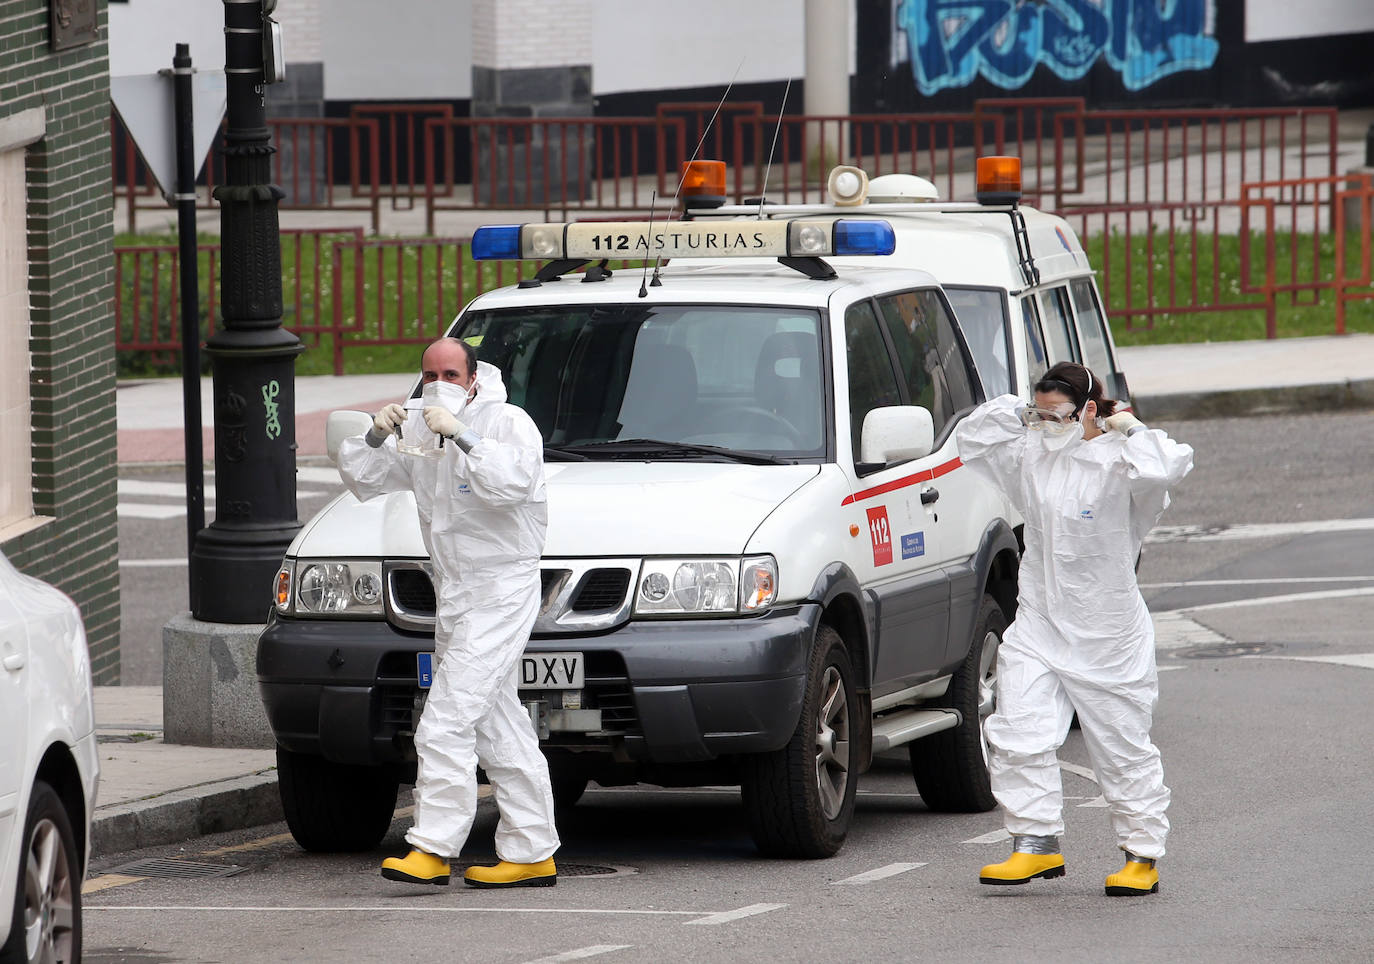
(483, 513)
(1090, 484)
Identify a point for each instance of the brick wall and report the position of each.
(510, 34)
(71, 339)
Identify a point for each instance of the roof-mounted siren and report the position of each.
(998, 180)
(703, 184)
(847, 186)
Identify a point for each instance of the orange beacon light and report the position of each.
(998, 180)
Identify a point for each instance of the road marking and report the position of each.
(1189, 583)
(880, 873)
(582, 953)
(725, 917)
(106, 881)
(995, 836)
(1175, 630)
(277, 838)
(1096, 802)
(1074, 768)
(426, 908)
(1276, 600)
(318, 475)
(151, 563)
(146, 510)
(1358, 660)
(1229, 533)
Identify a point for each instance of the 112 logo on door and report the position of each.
(881, 534)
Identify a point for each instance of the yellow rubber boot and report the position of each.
(506, 874)
(1137, 878)
(417, 867)
(1021, 868)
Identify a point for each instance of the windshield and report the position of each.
(982, 315)
(740, 378)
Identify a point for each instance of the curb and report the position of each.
(1281, 400)
(180, 815)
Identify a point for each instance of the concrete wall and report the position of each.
(71, 326)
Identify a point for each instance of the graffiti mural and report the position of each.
(952, 41)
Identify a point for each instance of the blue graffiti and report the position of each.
(952, 41)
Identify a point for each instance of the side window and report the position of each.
(1059, 324)
(1035, 344)
(982, 317)
(872, 383)
(1091, 327)
(928, 353)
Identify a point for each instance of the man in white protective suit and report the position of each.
(1090, 484)
(476, 467)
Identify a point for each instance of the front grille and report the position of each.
(601, 590)
(398, 703)
(413, 592)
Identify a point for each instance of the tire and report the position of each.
(568, 780)
(799, 800)
(333, 807)
(951, 767)
(46, 921)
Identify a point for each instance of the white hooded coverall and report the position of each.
(1082, 638)
(483, 515)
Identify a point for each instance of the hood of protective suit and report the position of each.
(595, 509)
(668, 508)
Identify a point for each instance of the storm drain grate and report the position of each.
(1224, 650)
(176, 869)
(564, 870)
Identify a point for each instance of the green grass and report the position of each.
(1208, 270)
(409, 290)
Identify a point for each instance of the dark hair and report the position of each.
(1079, 384)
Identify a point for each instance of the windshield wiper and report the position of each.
(557, 453)
(649, 446)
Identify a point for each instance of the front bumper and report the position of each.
(669, 691)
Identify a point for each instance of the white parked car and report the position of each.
(48, 769)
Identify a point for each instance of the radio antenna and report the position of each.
(644, 291)
(704, 131)
(774, 147)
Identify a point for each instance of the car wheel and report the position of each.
(333, 807)
(951, 767)
(568, 780)
(799, 800)
(46, 924)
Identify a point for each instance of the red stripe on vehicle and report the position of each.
(902, 483)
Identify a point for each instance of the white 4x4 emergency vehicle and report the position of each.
(765, 562)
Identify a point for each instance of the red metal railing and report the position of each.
(551, 164)
(803, 149)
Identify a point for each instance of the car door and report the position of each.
(897, 550)
(14, 707)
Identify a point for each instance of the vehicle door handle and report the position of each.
(929, 495)
(14, 662)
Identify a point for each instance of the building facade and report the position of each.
(57, 357)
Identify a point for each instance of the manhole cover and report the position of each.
(564, 870)
(179, 869)
(1225, 650)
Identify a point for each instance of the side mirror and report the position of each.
(896, 433)
(342, 425)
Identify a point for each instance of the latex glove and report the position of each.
(389, 419)
(1124, 422)
(443, 422)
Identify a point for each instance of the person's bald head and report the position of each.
(449, 360)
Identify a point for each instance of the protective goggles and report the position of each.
(1055, 421)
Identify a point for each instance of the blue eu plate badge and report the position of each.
(424, 666)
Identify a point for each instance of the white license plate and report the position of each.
(538, 671)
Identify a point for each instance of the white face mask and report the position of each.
(1056, 440)
(448, 395)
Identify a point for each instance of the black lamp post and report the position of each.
(252, 356)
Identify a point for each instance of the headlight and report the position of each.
(329, 587)
(686, 586)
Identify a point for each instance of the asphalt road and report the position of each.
(1263, 575)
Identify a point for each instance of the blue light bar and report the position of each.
(855, 236)
(496, 242)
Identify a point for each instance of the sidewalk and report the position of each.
(153, 793)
